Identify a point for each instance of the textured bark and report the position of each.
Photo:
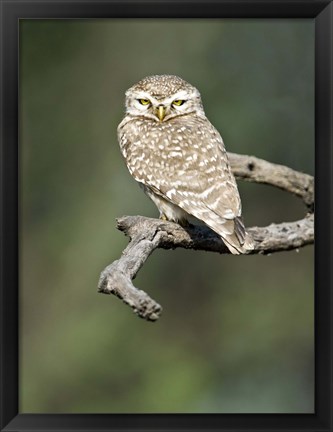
(147, 234)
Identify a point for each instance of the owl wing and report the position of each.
(219, 216)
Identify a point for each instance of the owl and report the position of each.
(179, 159)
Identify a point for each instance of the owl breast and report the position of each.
(172, 148)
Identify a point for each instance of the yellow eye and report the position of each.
(178, 102)
(144, 101)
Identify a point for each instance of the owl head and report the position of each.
(163, 97)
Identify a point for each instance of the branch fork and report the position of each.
(148, 234)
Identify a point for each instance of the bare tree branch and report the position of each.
(258, 170)
(147, 234)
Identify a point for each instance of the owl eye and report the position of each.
(144, 101)
(178, 102)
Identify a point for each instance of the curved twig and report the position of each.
(147, 234)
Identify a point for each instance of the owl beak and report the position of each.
(161, 111)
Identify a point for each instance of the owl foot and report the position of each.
(185, 223)
(182, 222)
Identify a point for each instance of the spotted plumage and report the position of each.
(178, 158)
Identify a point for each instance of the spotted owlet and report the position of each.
(178, 158)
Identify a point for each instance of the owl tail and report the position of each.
(233, 234)
(239, 241)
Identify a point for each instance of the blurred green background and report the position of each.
(236, 334)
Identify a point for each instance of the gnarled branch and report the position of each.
(147, 234)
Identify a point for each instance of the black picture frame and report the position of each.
(11, 12)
